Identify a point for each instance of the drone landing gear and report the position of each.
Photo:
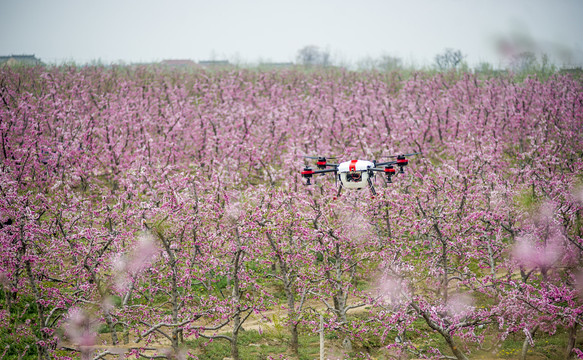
(372, 190)
(339, 191)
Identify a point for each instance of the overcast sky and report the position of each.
(248, 31)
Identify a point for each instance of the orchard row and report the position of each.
(159, 206)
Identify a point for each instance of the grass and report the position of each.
(16, 335)
(253, 345)
(273, 342)
(545, 346)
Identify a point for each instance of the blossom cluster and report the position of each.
(165, 205)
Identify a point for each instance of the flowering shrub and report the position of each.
(162, 205)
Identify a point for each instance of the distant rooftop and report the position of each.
(23, 59)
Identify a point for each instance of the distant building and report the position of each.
(11, 60)
(179, 63)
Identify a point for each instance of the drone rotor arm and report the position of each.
(318, 157)
(378, 169)
(324, 171)
(394, 156)
(385, 164)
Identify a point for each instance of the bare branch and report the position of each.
(163, 324)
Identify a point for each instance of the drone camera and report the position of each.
(354, 176)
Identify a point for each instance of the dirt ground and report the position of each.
(261, 322)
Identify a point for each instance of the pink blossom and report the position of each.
(578, 277)
(142, 255)
(79, 328)
(528, 336)
(390, 289)
(460, 304)
(4, 280)
(233, 211)
(531, 253)
(578, 195)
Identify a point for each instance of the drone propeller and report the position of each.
(321, 161)
(401, 161)
(394, 156)
(319, 157)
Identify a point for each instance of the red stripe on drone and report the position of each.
(352, 166)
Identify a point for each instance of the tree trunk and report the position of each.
(111, 326)
(571, 341)
(8, 299)
(456, 351)
(524, 349)
(525, 344)
(322, 350)
(43, 352)
(294, 342)
(388, 220)
(234, 349)
(235, 334)
(236, 296)
(291, 311)
(443, 332)
(288, 284)
(403, 338)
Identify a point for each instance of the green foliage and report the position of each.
(527, 200)
(576, 73)
(16, 333)
(220, 282)
(277, 330)
(116, 300)
(252, 345)
(545, 346)
(255, 266)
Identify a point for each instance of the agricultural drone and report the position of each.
(357, 174)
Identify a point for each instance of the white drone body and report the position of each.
(354, 174)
